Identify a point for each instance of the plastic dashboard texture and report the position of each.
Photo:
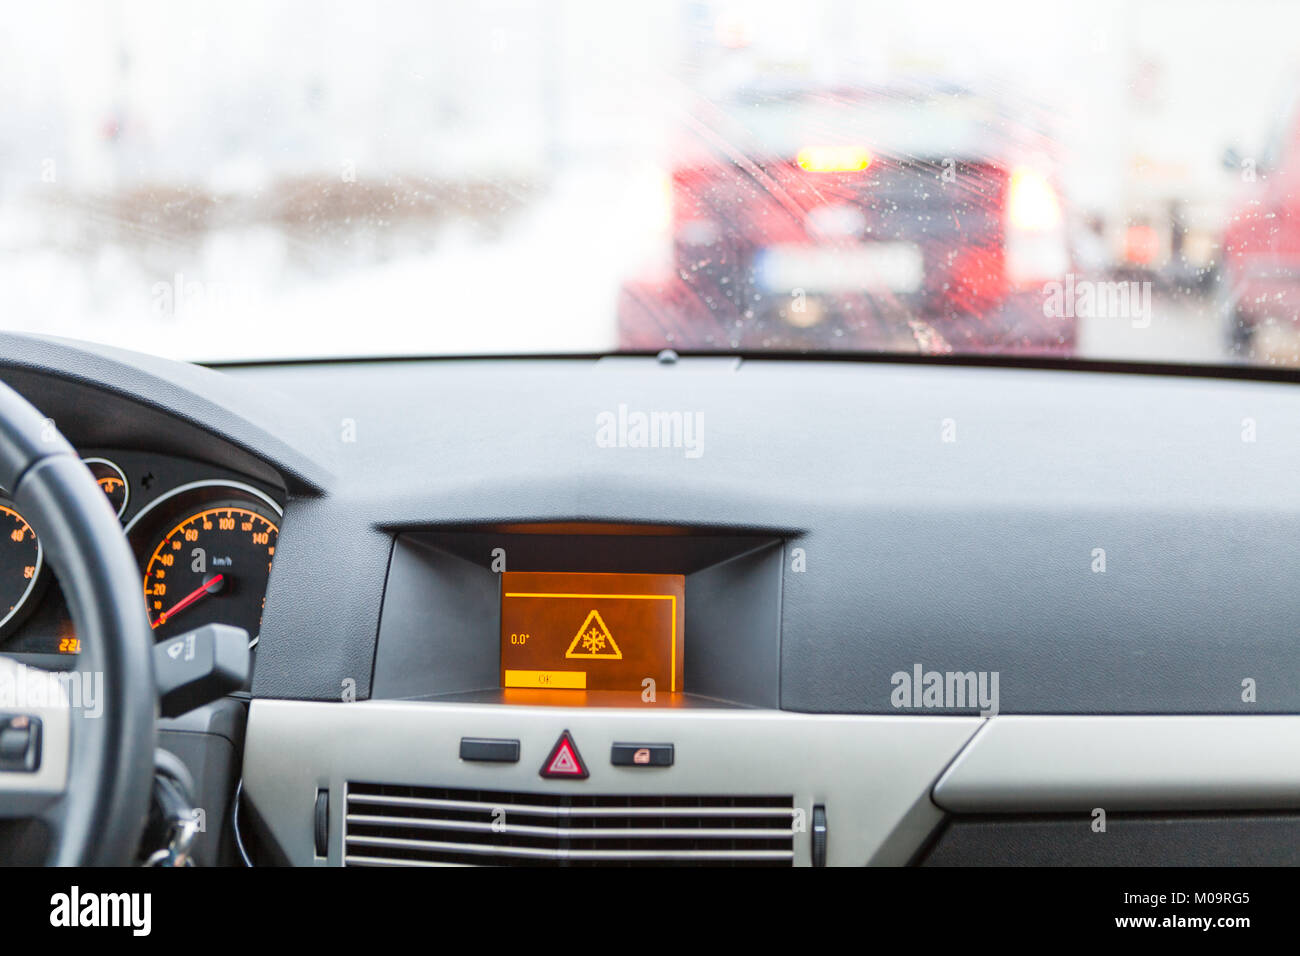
(974, 554)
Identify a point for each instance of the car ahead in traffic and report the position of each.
(1261, 246)
(913, 218)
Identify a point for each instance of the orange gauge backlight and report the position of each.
(579, 631)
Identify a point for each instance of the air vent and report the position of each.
(426, 826)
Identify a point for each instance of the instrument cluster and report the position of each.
(204, 540)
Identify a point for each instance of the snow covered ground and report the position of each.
(547, 283)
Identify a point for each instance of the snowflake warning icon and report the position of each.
(593, 640)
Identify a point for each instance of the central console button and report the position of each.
(641, 755)
(565, 761)
(489, 749)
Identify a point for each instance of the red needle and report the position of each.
(189, 599)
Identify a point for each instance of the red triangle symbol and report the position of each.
(564, 760)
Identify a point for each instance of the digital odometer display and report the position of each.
(577, 631)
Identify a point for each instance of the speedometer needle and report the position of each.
(207, 587)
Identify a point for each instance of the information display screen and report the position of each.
(578, 631)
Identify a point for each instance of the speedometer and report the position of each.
(223, 552)
(206, 553)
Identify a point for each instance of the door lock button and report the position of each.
(641, 755)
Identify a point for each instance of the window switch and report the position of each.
(20, 743)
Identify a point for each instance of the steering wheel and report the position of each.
(87, 801)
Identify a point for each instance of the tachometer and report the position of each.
(22, 564)
(21, 560)
(206, 552)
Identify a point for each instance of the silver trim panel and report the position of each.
(1045, 764)
(22, 794)
(873, 773)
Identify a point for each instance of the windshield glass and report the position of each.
(1113, 179)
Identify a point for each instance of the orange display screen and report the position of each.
(576, 631)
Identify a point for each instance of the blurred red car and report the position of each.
(884, 219)
(1261, 245)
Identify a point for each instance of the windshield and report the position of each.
(1105, 179)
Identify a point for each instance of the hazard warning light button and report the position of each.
(565, 761)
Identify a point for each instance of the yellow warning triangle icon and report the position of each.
(593, 640)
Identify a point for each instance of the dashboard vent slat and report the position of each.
(388, 825)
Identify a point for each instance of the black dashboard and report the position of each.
(1080, 531)
(1098, 545)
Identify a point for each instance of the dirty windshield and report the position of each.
(244, 180)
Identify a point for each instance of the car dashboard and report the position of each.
(710, 610)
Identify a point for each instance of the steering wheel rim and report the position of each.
(100, 815)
